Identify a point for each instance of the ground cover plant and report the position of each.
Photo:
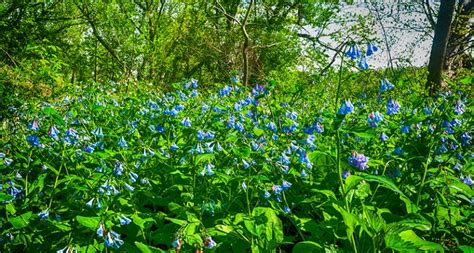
(237, 169)
(236, 126)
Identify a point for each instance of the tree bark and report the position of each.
(440, 42)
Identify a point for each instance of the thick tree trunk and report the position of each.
(440, 42)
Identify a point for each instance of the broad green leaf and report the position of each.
(307, 247)
(89, 222)
(147, 249)
(20, 221)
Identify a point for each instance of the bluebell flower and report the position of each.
(122, 143)
(246, 164)
(319, 127)
(100, 231)
(466, 139)
(218, 147)
(53, 132)
(113, 240)
(428, 111)
(90, 203)
(244, 186)
(353, 52)
(371, 49)
(459, 107)
(225, 91)
(285, 185)
(129, 187)
(266, 195)
(291, 115)
(467, 179)
(385, 85)
(398, 151)
(240, 127)
(33, 140)
(186, 122)
(383, 137)
(393, 107)
(177, 243)
(374, 118)
(358, 160)
(174, 147)
(363, 64)
(7, 161)
(44, 214)
(441, 149)
(133, 176)
(277, 189)
(124, 220)
(209, 243)
(303, 173)
(345, 174)
(346, 108)
(286, 209)
(118, 169)
(34, 125)
(457, 167)
(405, 129)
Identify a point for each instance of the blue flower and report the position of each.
(371, 49)
(266, 195)
(98, 132)
(358, 160)
(33, 140)
(346, 108)
(285, 185)
(363, 64)
(286, 209)
(177, 243)
(398, 151)
(459, 107)
(383, 137)
(53, 132)
(186, 122)
(374, 118)
(277, 189)
(345, 174)
(7, 161)
(174, 147)
(353, 52)
(385, 85)
(393, 107)
(90, 203)
(405, 129)
(122, 143)
(209, 243)
(124, 220)
(44, 214)
(467, 179)
(466, 139)
(129, 187)
(113, 240)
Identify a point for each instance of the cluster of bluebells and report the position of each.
(354, 53)
(182, 132)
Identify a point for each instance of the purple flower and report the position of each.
(358, 160)
(346, 174)
(33, 140)
(285, 185)
(53, 132)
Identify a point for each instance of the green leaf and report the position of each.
(408, 241)
(89, 222)
(177, 221)
(20, 221)
(258, 132)
(466, 248)
(147, 249)
(307, 247)
(5, 197)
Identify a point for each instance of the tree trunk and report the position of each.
(440, 42)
